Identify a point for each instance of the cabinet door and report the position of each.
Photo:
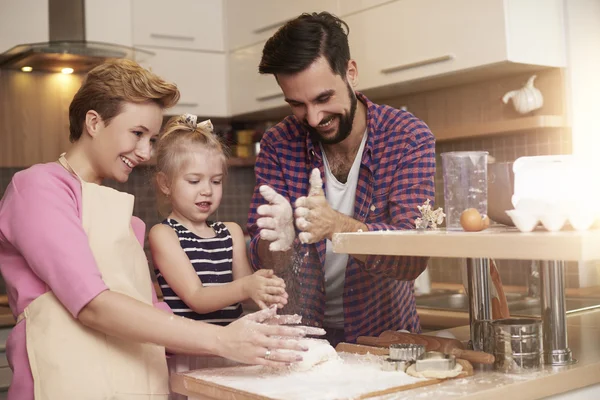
(200, 77)
(251, 91)
(182, 24)
(23, 21)
(249, 22)
(108, 21)
(353, 6)
(34, 117)
(413, 39)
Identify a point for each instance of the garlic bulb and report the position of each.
(526, 99)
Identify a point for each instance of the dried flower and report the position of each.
(429, 218)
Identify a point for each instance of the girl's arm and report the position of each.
(178, 271)
(241, 268)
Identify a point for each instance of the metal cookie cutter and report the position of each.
(402, 355)
(406, 352)
(435, 361)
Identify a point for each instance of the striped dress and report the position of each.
(212, 259)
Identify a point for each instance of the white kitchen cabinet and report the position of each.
(182, 24)
(23, 21)
(108, 21)
(249, 22)
(410, 40)
(249, 90)
(200, 77)
(352, 6)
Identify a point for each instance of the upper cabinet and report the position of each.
(252, 21)
(23, 21)
(181, 24)
(108, 21)
(409, 40)
(187, 39)
(200, 77)
(249, 90)
(352, 6)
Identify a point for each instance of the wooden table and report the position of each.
(552, 249)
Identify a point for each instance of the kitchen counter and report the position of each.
(584, 340)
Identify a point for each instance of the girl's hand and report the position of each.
(250, 340)
(266, 289)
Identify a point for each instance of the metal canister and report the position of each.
(517, 344)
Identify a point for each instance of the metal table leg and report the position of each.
(480, 304)
(554, 314)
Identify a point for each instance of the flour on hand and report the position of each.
(276, 220)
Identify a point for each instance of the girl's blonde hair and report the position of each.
(177, 143)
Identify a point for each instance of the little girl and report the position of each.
(201, 265)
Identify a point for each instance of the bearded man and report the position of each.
(377, 164)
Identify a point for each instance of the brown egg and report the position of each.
(472, 221)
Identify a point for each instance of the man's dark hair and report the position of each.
(298, 43)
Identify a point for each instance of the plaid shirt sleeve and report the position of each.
(412, 184)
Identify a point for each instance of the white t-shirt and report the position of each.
(341, 197)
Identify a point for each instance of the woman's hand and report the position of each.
(250, 340)
(265, 289)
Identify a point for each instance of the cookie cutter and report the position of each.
(395, 365)
(406, 352)
(435, 361)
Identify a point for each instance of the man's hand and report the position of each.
(314, 216)
(276, 220)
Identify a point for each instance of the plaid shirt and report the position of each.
(396, 175)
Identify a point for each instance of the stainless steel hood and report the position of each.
(68, 46)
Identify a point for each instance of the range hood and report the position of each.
(67, 47)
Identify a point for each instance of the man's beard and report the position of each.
(345, 125)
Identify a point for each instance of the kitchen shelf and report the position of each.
(500, 127)
(241, 162)
(496, 242)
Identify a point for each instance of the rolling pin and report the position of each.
(499, 304)
(432, 343)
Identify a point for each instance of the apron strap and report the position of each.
(62, 160)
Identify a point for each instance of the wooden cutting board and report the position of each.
(198, 383)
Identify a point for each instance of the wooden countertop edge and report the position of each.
(442, 319)
(541, 387)
(590, 291)
(7, 320)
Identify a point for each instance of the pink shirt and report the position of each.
(43, 247)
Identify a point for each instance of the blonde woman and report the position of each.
(89, 325)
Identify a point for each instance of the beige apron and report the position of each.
(71, 361)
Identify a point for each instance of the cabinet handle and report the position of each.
(417, 64)
(269, 27)
(270, 96)
(184, 104)
(172, 37)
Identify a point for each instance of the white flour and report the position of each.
(346, 378)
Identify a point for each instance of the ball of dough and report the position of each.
(437, 374)
(319, 351)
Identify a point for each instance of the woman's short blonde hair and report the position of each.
(108, 86)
